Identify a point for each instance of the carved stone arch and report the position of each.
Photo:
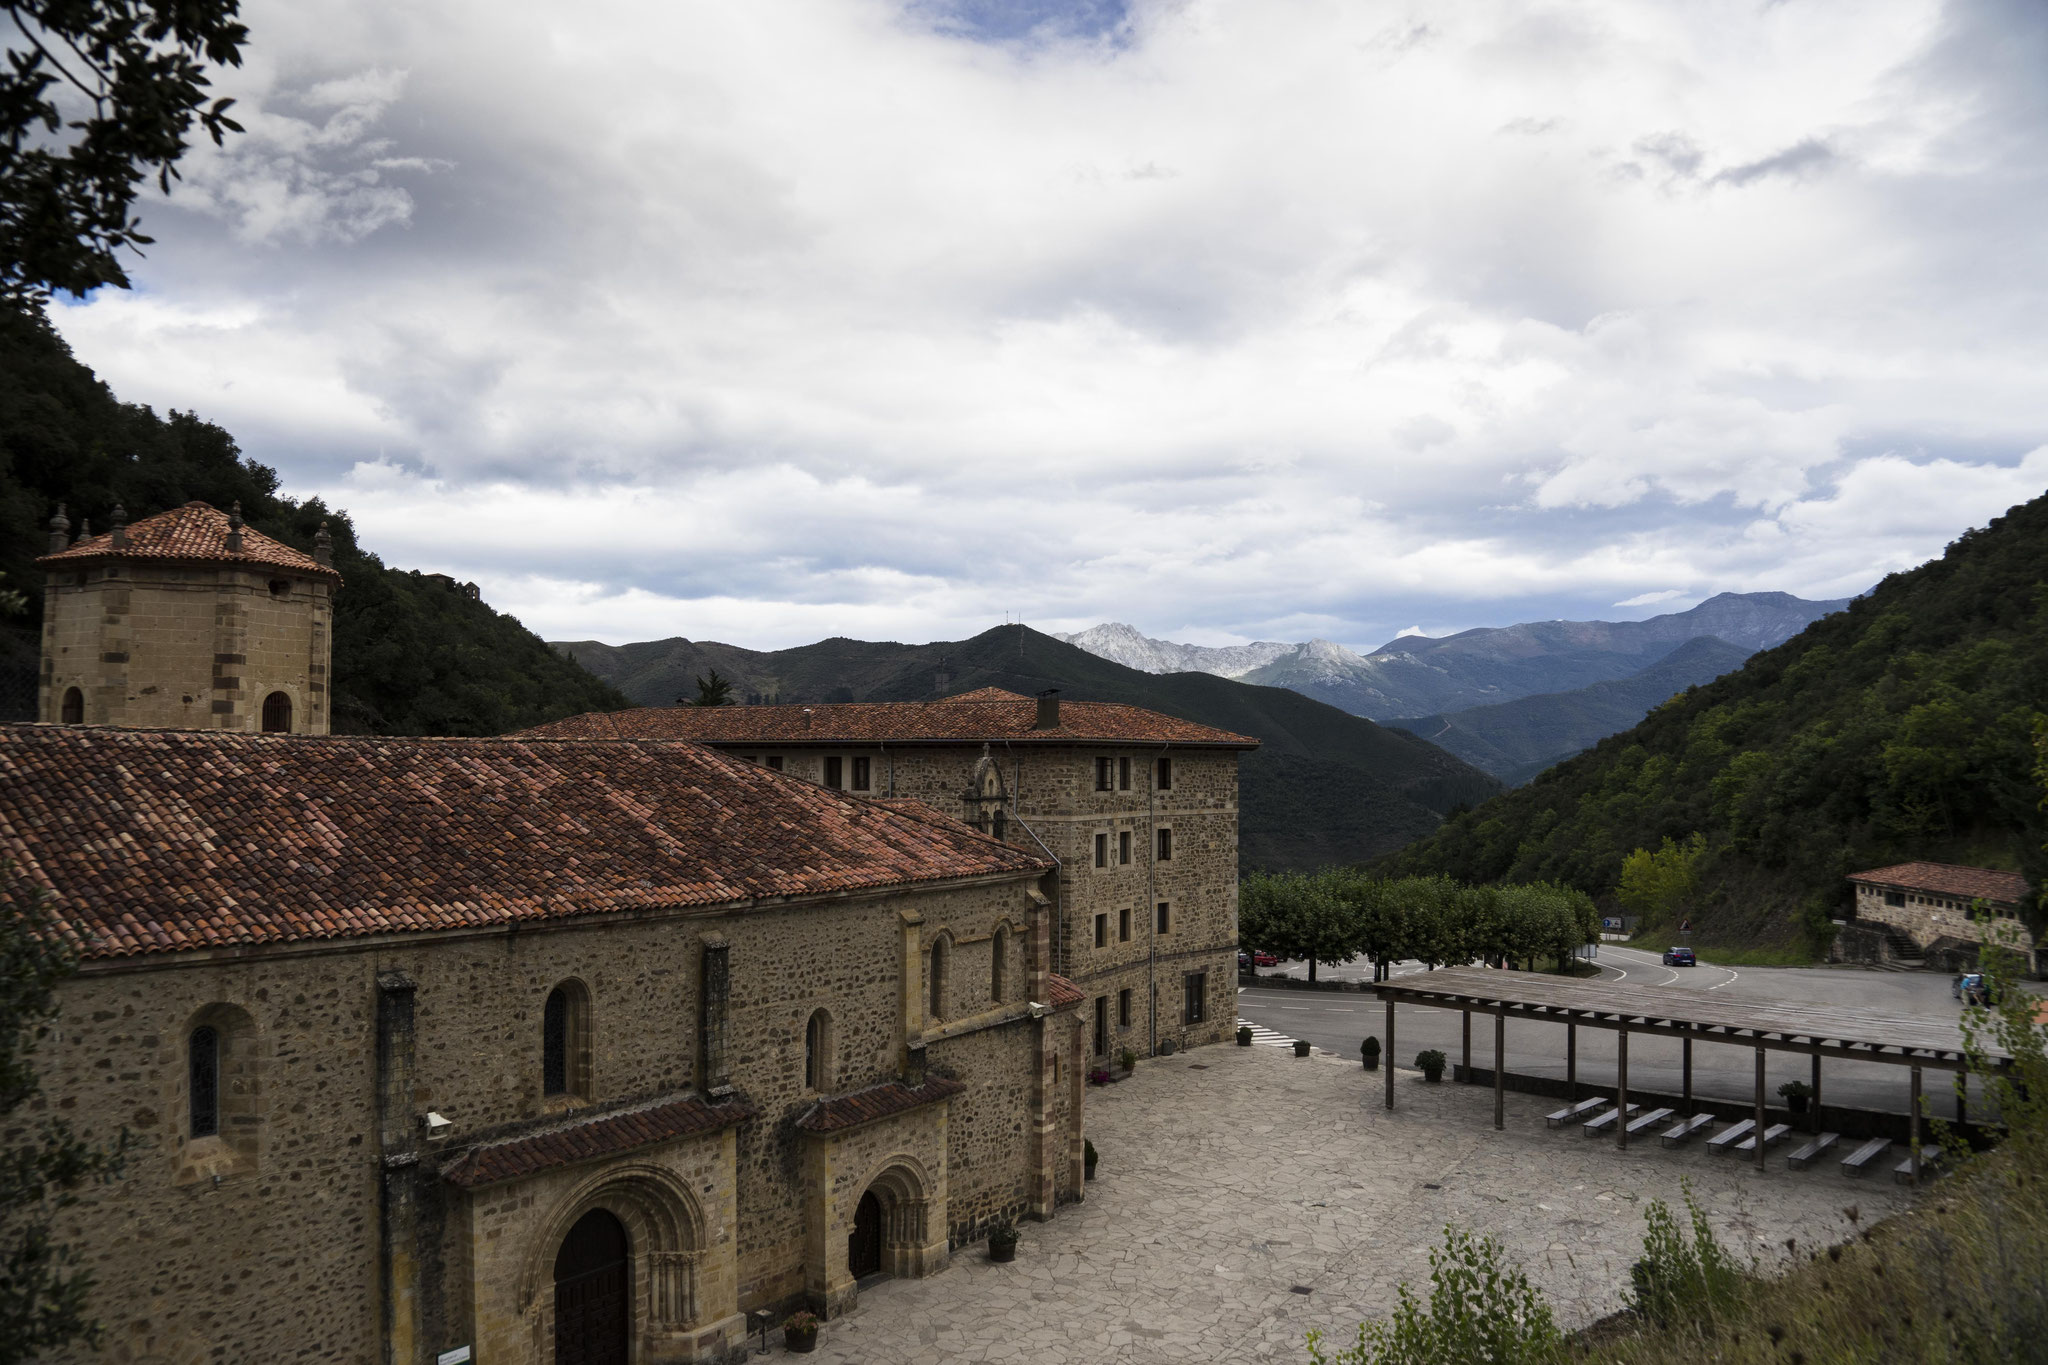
(908, 1194)
(938, 968)
(223, 1066)
(665, 1230)
(987, 796)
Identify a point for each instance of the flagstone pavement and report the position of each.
(1232, 1179)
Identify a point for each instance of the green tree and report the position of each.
(68, 177)
(43, 1163)
(1481, 1311)
(713, 690)
(1659, 886)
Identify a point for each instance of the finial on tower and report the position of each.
(60, 531)
(120, 527)
(323, 547)
(84, 530)
(235, 530)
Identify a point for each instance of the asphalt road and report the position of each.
(1338, 1022)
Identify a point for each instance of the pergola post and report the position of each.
(1913, 1125)
(1816, 1090)
(1621, 1087)
(1571, 1062)
(1685, 1066)
(1760, 1114)
(1390, 1052)
(1467, 1012)
(1500, 1063)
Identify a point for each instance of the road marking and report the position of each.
(1303, 1008)
(1732, 974)
(1265, 1037)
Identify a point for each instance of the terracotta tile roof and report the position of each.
(1946, 879)
(1065, 994)
(955, 720)
(989, 694)
(163, 840)
(586, 1137)
(197, 532)
(841, 1112)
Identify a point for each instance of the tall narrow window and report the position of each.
(554, 1044)
(834, 769)
(1123, 925)
(1165, 918)
(277, 714)
(1123, 1008)
(1195, 997)
(1101, 1024)
(1102, 850)
(1165, 773)
(1123, 774)
(1105, 775)
(998, 964)
(203, 1054)
(818, 1051)
(1165, 845)
(862, 774)
(1123, 846)
(1102, 931)
(939, 979)
(74, 707)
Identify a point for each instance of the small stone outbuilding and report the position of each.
(1930, 911)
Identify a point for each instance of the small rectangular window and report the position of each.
(1123, 925)
(1123, 774)
(1165, 774)
(1102, 931)
(775, 762)
(1123, 846)
(1894, 898)
(1195, 997)
(1165, 845)
(1165, 918)
(862, 771)
(1123, 1008)
(1102, 850)
(834, 773)
(1105, 775)
(1101, 1025)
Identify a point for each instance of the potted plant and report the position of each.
(1301, 1047)
(1129, 1059)
(1002, 1242)
(1369, 1050)
(1796, 1094)
(1244, 1035)
(800, 1332)
(1099, 1076)
(1088, 1156)
(1431, 1064)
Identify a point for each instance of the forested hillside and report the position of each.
(1897, 729)
(412, 655)
(1323, 787)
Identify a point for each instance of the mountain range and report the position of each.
(1323, 787)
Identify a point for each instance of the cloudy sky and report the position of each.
(1231, 319)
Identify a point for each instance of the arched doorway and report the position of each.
(277, 714)
(864, 1243)
(593, 1289)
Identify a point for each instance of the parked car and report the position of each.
(1972, 989)
(1680, 957)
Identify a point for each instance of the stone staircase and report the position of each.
(1902, 954)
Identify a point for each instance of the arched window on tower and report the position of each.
(818, 1052)
(938, 981)
(998, 963)
(73, 712)
(203, 1060)
(277, 714)
(565, 1042)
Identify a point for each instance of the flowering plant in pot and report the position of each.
(1369, 1051)
(1796, 1094)
(800, 1332)
(1244, 1035)
(1099, 1076)
(1431, 1064)
(1002, 1242)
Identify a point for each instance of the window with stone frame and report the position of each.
(1123, 1008)
(998, 965)
(1163, 774)
(565, 1042)
(1123, 925)
(72, 712)
(1102, 931)
(1101, 1025)
(1123, 774)
(818, 1051)
(1165, 852)
(774, 762)
(940, 963)
(277, 714)
(1105, 775)
(1195, 998)
(1163, 918)
(1895, 899)
(223, 1101)
(863, 771)
(834, 775)
(1123, 846)
(1102, 850)
(202, 1060)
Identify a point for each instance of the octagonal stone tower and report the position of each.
(186, 620)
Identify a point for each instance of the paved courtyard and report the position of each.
(1267, 1175)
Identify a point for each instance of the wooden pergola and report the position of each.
(1688, 1015)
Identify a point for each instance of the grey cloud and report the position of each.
(1807, 157)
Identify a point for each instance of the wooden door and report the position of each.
(593, 1286)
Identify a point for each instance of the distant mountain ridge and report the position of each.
(1323, 787)
(1419, 676)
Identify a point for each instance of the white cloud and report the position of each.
(786, 318)
(1650, 599)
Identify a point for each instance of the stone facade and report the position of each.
(1936, 907)
(322, 1223)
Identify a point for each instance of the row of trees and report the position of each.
(1339, 914)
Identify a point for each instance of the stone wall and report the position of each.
(188, 647)
(1929, 918)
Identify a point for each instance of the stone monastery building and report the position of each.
(578, 1045)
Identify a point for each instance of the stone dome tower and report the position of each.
(186, 620)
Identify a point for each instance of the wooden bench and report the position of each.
(1775, 1133)
(1930, 1157)
(1606, 1122)
(1858, 1162)
(1811, 1151)
(1575, 1112)
(1649, 1120)
(1681, 1133)
(1729, 1136)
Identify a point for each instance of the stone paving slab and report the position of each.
(1232, 1177)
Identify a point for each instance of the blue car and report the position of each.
(1680, 957)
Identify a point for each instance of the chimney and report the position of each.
(120, 527)
(60, 531)
(1048, 710)
(234, 546)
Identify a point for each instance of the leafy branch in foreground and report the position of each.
(43, 1294)
(1480, 1310)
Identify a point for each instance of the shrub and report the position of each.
(1430, 1063)
(1370, 1047)
(1129, 1059)
(1677, 1280)
(1480, 1310)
